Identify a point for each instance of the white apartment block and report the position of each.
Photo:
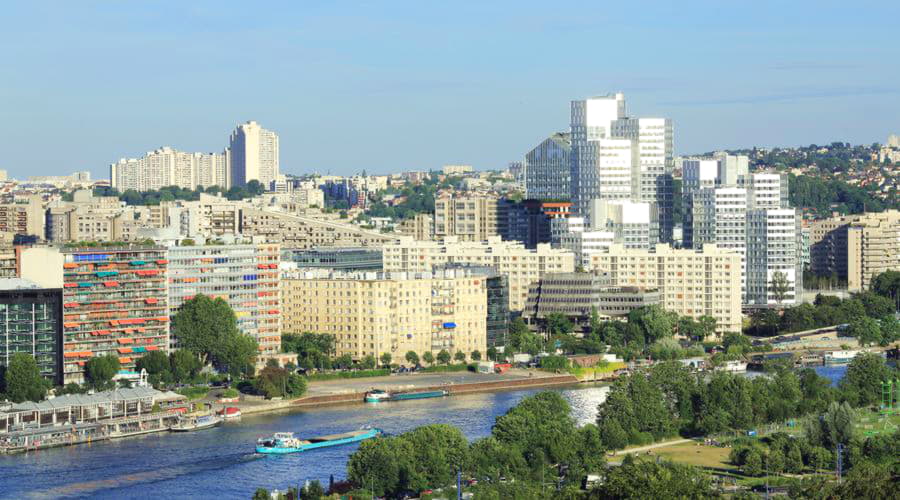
(254, 154)
(521, 265)
(767, 190)
(773, 246)
(691, 283)
(720, 217)
(168, 167)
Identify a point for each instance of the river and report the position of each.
(220, 463)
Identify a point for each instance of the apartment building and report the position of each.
(773, 249)
(336, 258)
(420, 227)
(376, 313)
(468, 216)
(168, 167)
(245, 276)
(31, 323)
(114, 301)
(23, 218)
(856, 247)
(292, 231)
(254, 154)
(690, 282)
(529, 221)
(522, 266)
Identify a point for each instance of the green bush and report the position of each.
(230, 393)
(193, 392)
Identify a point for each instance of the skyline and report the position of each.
(413, 87)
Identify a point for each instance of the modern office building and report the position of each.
(468, 216)
(720, 170)
(522, 266)
(720, 218)
(375, 313)
(548, 169)
(690, 282)
(169, 167)
(856, 247)
(246, 276)
(633, 224)
(254, 154)
(652, 180)
(115, 301)
(578, 295)
(529, 221)
(31, 323)
(774, 267)
(337, 258)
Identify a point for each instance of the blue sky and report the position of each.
(389, 85)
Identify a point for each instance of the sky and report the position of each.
(386, 86)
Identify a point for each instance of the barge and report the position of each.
(284, 442)
(377, 395)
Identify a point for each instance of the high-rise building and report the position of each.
(522, 266)
(529, 221)
(168, 167)
(246, 276)
(691, 283)
(652, 180)
(856, 247)
(23, 218)
(633, 224)
(773, 267)
(254, 154)
(548, 169)
(31, 323)
(114, 301)
(370, 314)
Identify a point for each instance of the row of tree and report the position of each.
(668, 399)
(173, 193)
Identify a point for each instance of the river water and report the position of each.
(220, 463)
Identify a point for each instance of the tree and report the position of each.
(753, 463)
(779, 286)
(185, 365)
(22, 379)
(835, 426)
(237, 355)
(866, 330)
(558, 323)
(205, 326)
(386, 359)
(312, 490)
(428, 357)
(100, 370)
(261, 494)
(887, 284)
(476, 355)
(654, 322)
(368, 362)
(412, 358)
(459, 356)
(492, 353)
(155, 362)
(645, 479)
(443, 357)
(274, 381)
(861, 385)
(708, 325)
(313, 350)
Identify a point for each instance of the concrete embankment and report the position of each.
(464, 388)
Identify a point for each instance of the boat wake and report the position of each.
(169, 472)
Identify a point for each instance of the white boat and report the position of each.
(188, 424)
(734, 366)
(840, 356)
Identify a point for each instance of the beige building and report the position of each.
(690, 282)
(293, 231)
(376, 313)
(420, 227)
(856, 247)
(521, 265)
(471, 217)
(23, 218)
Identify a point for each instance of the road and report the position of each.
(405, 381)
(640, 449)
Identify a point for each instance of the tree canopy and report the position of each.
(22, 380)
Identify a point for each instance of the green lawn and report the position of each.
(694, 454)
(193, 392)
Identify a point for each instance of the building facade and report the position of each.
(31, 323)
(691, 283)
(522, 266)
(394, 313)
(23, 218)
(254, 154)
(470, 217)
(169, 167)
(856, 247)
(244, 276)
(548, 169)
(337, 258)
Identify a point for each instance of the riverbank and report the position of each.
(352, 391)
